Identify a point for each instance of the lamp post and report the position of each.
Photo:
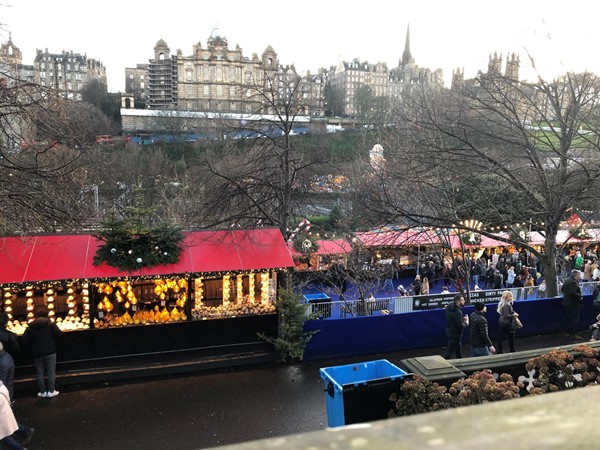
(472, 226)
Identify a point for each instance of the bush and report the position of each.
(556, 370)
(420, 395)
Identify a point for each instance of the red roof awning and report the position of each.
(68, 257)
(327, 247)
(398, 238)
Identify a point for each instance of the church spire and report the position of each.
(406, 55)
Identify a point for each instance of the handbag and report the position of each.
(515, 324)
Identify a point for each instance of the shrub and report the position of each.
(292, 339)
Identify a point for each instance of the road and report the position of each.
(198, 411)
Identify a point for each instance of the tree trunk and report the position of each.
(548, 260)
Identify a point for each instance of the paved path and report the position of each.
(197, 411)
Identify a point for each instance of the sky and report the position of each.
(558, 36)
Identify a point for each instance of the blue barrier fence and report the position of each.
(425, 329)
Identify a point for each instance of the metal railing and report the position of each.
(399, 305)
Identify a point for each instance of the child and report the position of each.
(595, 330)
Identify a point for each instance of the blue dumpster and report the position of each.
(322, 306)
(360, 392)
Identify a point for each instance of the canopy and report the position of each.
(414, 237)
(68, 257)
(327, 247)
(397, 238)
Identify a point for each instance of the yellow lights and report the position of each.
(240, 288)
(251, 287)
(226, 289)
(471, 224)
(198, 292)
(264, 287)
(50, 303)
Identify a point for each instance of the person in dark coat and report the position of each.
(479, 338)
(571, 303)
(455, 324)
(7, 371)
(41, 336)
(8, 338)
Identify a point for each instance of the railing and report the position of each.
(358, 308)
(399, 305)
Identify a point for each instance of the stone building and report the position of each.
(408, 74)
(136, 80)
(67, 72)
(219, 79)
(11, 62)
(162, 78)
(346, 79)
(216, 79)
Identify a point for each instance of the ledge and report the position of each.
(550, 421)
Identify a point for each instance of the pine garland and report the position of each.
(130, 246)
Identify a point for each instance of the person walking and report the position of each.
(7, 371)
(571, 303)
(13, 435)
(41, 337)
(506, 312)
(425, 286)
(455, 324)
(8, 338)
(479, 338)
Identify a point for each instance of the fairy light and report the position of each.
(50, 303)
(71, 303)
(8, 304)
(198, 292)
(86, 300)
(226, 283)
(251, 287)
(264, 287)
(240, 288)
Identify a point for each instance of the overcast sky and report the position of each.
(559, 36)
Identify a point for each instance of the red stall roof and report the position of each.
(397, 238)
(328, 247)
(67, 257)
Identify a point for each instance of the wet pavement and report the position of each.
(198, 411)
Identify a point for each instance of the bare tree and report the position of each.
(40, 146)
(253, 177)
(507, 153)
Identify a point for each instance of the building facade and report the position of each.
(216, 79)
(11, 61)
(348, 77)
(67, 72)
(162, 78)
(136, 80)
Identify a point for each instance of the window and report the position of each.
(219, 91)
(206, 73)
(206, 90)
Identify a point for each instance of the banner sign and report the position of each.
(424, 302)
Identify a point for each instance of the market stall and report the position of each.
(328, 251)
(229, 275)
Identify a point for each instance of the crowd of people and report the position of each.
(509, 322)
(479, 338)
